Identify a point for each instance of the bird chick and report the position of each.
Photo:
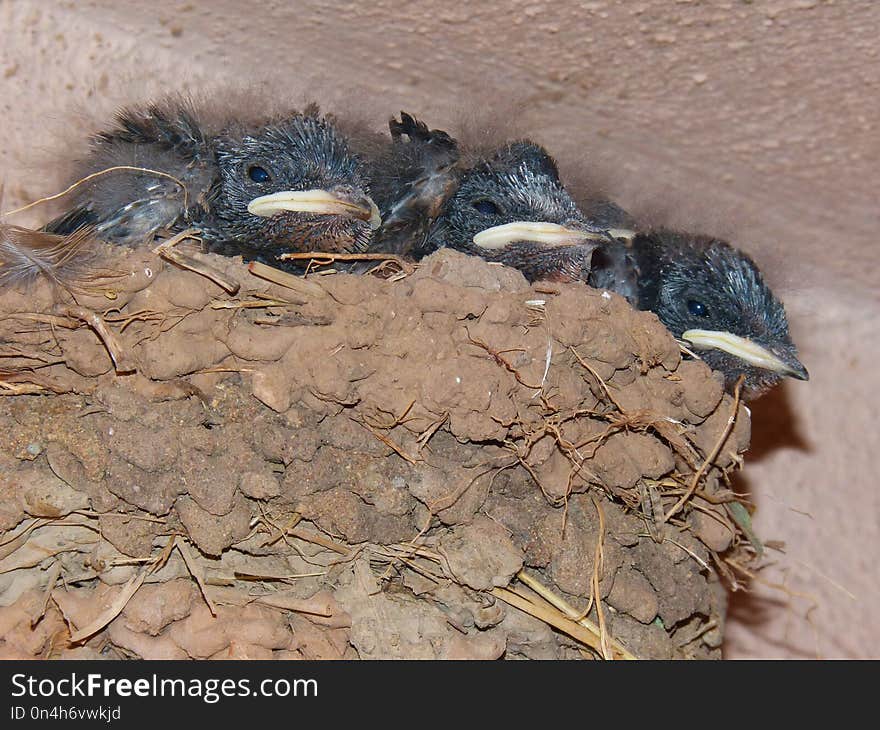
(413, 178)
(291, 184)
(507, 205)
(710, 295)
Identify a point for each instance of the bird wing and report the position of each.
(412, 183)
(129, 213)
(146, 175)
(72, 221)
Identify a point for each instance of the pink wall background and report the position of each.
(755, 120)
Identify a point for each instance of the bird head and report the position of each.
(511, 207)
(292, 186)
(713, 297)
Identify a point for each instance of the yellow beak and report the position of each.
(547, 234)
(322, 202)
(745, 349)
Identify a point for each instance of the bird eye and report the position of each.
(698, 309)
(258, 174)
(486, 207)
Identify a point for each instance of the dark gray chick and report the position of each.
(506, 205)
(413, 178)
(710, 295)
(289, 184)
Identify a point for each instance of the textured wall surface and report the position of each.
(758, 120)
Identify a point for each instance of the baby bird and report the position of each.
(412, 181)
(506, 205)
(290, 184)
(710, 295)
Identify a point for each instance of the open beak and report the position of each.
(546, 234)
(322, 202)
(748, 351)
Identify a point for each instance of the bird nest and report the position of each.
(445, 462)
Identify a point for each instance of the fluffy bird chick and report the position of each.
(291, 184)
(710, 295)
(412, 181)
(507, 205)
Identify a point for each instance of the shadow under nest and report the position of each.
(446, 462)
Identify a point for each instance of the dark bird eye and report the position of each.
(486, 207)
(258, 174)
(698, 309)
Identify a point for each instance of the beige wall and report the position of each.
(754, 119)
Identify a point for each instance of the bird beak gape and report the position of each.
(551, 235)
(747, 350)
(322, 202)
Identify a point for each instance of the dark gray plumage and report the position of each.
(710, 295)
(413, 178)
(289, 184)
(506, 205)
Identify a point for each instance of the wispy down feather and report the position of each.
(26, 255)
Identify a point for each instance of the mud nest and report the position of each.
(445, 463)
